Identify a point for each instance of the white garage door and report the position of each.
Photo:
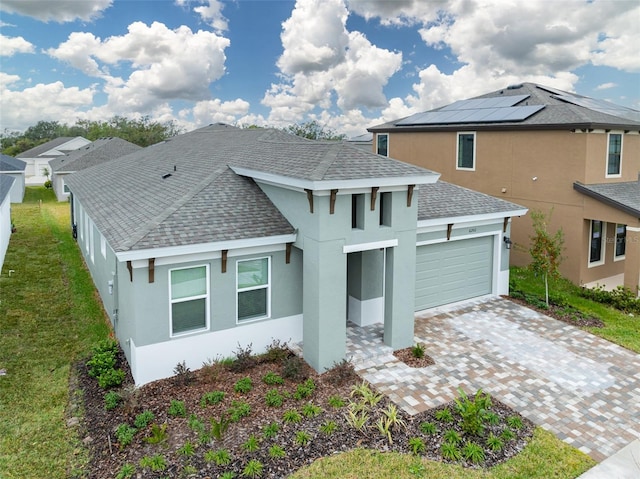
(453, 271)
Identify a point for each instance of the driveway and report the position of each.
(582, 388)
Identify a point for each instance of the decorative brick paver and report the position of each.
(582, 388)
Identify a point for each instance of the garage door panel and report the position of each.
(453, 271)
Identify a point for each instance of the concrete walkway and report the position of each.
(580, 387)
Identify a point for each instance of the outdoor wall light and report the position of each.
(507, 242)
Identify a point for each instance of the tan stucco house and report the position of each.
(548, 150)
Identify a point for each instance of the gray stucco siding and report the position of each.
(151, 308)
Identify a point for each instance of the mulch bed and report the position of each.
(567, 315)
(107, 457)
(406, 356)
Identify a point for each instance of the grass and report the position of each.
(49, 317)
(544, 457)
(620, 328)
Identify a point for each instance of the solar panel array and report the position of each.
(492, 102)
(601, 106)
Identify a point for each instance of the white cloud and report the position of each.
(56, 10)
(398, 12)
(9, 46)
(52, 101)
(210, 11)
(214, 111)
(606, 86)
(162, 70)
(321, 59)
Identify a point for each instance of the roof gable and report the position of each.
(99, 151)
(9, 163)
(55, 147)
(6, 182)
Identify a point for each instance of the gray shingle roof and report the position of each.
(445, 200)
(99, 151)
(9, 163)
(555, 114)
(5, 185)
(40, 149)
(624, 196)
(182, 191)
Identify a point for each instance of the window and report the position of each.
(86, 232)
(65, 188)
(91, 242)
(253, 281)
(189, 294)
(357, 211)
(621, 241)
(382, 144)
(614, 154)
(103, 247)
(466, 151)
(596, 253)
(385, 209)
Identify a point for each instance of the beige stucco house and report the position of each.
(548, 150)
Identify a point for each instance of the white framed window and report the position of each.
(466, 151)
(91, 242)
(621, 242)
(382, 144)
(103, 247)
(614, 155)
(189, 298)
(65, 188)
(597, 242)
(253, 292)
(86, 232)
(81, 225)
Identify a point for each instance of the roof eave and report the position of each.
(468, 218)
(504, 127)
(326, 185)
(580, 188)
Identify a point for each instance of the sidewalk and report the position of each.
(625, 464)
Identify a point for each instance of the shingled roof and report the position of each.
(561, 110)
(624, 196)
(187, 190)
(99, 151)
(38, 151)
(6, 182)
(9, 163)
(445, 200)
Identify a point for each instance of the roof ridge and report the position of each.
(158, 219)
(328, 159)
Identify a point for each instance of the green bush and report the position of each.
(111, 400)
(111, 378)
(620, 298)
(177, 408)
(143, 419)
(273, 398)
(243, 385)
(213, 397)
(272, 379)
(100, 363)
(124, 434)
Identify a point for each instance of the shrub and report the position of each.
(276, 452)
(124, 434)
(126, 471)
(227, 475)
(473, 411)
(111, 400)
(273, 398)
(305, 389)
(444, 415)
(514, 422)
(177, 408)
(270, 430)
(473, 452)
(329, 427)
(341, 372)
(219, 427)
(213, 397)
(452, 437)
(291, 416)
(243, 385)
(253, 469)
(252, 444)
(293, 368)
(495, 443)
(182, 374)
(311, 410)
(111, 378)
(428, 428)
(155, 463)
(158, 434)
(417, 351)
(417, 445)
(187, 449)
(244, 359)
(272, 379)
(302, 438)
(48, 185)
(450, 451)
(238, 410)
(220, 457)
(101, 362)
(277, 351)
(143, 419)
(507, 435)
(336, 402)
(366, 394)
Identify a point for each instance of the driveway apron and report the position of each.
(582, 388)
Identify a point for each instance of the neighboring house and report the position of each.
(14, 167)
(37, 158)
(548, 150)
(6, 184)
(362, 141)
(99, 151)
(223, 237)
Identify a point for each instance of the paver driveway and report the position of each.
(582, 388)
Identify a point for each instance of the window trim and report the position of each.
(92, 252)
(65, 188)
(603, 244)
(378, 136)
(254, 288)
(621, 257)
(103, 246)
(385, 216)
(607, 157)
(462, 168)
(205, 296)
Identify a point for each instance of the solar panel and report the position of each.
(601, 106)
(492, 102)
(476, 115)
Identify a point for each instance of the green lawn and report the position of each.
(49, 317)
(620, 328)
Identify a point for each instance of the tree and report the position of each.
(314, 131)
(545, 249)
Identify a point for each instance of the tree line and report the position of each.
(142, 132)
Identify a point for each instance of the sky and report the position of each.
(348, 64)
